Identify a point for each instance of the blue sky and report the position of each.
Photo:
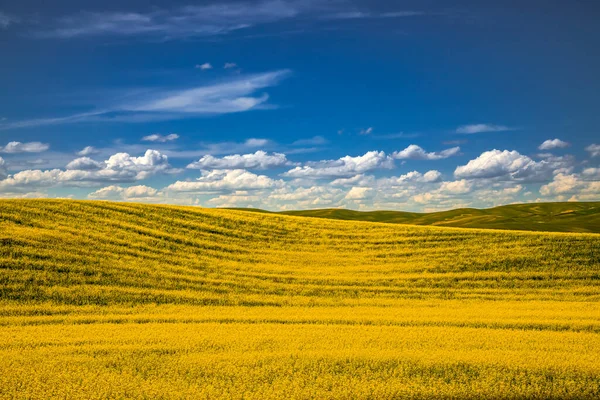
(409, 105)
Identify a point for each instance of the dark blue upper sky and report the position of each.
(415, 105)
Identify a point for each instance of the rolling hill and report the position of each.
(550, 217)
(124, 300)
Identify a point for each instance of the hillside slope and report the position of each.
(100, 252)
(551, 217)
(120, 300)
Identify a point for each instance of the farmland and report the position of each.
(550, 217)
(123, 300)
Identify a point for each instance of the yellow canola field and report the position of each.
(113, 300)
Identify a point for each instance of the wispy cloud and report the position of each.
(190, 21)
(30, 147)
(481, 128)
(156, 137)
(204, 66)
(237, 95)
(593, 149)
(6, 20)
(399, 135)
(366, 14)
(213, 19)
(313, 141)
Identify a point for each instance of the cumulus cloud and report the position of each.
(415, 176)
(306, 197)
(481, 128)
(456, 187)
(410, 178)
(512, 165)
(204, 66)
(551, 144)
(359, 193)
(87, 151)
(258, 160)
(85, 164)
(85, 172)
(343, 167)
(225, 180)
(414, 152)
(114, 192)
(593, 149)
(156, 137)
(579, 188)
(30, 147)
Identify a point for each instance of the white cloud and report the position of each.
(30, 147)
(156, 137)
(225, 180)
(573, 185)
(253, 142)
(120, 167)
(513, 166)
(87, 151)
(238, 199)
(229, 97)
(204, 66)
(359, 193)
(354, 14)
(206, 19)
(85, 164)
(447, 193)
(360, 179)
(343, 167)
(410, 178)
(456, 187)
(593, 149)
(553, 144)
(314, 141)
(239, 94)
(229, 65)
(6, 20)
(218, 18)
(113, 192)
(591, 173)
(366, 131)
(414, 152)
(481, 128)
(3, 173)
(260, 160)
(415, 176)
(305, 197)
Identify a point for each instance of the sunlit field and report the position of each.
(119, 300)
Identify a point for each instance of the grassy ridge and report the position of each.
(551, 217)
(124, 300)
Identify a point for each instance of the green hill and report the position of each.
(550, 217)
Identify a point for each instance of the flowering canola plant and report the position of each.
(118, 300)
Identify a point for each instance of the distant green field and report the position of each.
(550, 217)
